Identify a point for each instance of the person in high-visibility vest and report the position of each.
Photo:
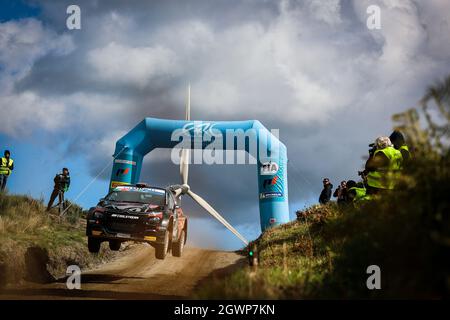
(398, 140)
(6, 166)
(356, 192)
(383, 167)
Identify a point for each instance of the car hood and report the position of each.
(131, 207)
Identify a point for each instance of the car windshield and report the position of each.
(156, 198)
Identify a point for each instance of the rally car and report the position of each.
(138, 213)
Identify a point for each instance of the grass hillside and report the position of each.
(38, 246)
(24, 220)
(325, 254)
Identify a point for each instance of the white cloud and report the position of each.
(326, 10)
(27, 111)
(117, 63)
(282, 65)
(22, 43)
(304, 61)
(24, 112)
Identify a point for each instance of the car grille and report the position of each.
(123, 227)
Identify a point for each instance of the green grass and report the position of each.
(293, 258)
(327, 252)
(25, 221)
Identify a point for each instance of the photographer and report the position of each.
(398, 140)
(341, 193)
(382, 167)
(62, 183)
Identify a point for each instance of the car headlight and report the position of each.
(98, 215)
(154, 220)
(155, 217)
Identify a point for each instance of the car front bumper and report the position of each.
(152, 236)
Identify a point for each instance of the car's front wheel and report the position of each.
(94, 245)
(161, 249)
(114, 245)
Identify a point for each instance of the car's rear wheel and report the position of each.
(161, 249)
(114, 245)
(177, 247)
(94, 245)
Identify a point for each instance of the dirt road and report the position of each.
(138, 275)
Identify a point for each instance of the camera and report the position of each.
(372, 149)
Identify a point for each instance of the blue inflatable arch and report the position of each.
(271, 166)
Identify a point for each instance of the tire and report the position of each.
(114, 245)
(177, 247)
(161, 249)
(94, 245)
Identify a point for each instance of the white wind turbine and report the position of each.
(185, 188)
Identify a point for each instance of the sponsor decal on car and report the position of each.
(133, 188)
(123, 216)
(155, 190)
(115, 184)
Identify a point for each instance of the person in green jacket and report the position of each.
(382, 169)
(356, 193)
(6, 167)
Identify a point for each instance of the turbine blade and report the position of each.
(205, 205)
(186, 153)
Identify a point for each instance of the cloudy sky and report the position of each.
(309, 68)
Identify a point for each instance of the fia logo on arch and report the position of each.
(269, 168)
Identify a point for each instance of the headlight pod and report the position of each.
(155, 217)
(98, 213)
(154, 220)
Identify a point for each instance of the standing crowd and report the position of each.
(387, 157)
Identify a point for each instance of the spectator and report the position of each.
(325, 195)
(383, 166)
(62, 183)
(351, 192)
(398, 140)
(6, 167)
(341, 193)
